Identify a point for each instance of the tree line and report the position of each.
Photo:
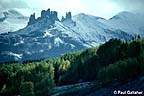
(114, 60)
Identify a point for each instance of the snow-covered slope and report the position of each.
(12, 20)
(126, 21)
(47, 36)
(91, 30)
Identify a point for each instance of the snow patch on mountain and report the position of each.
(15, 55)
(58, 41)
(47, 34)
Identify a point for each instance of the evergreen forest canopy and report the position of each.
(115, 60)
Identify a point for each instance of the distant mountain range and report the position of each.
(12, 20)
(47, 36)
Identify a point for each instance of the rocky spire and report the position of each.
(49, 16)
(54, 16)
(32, 19)
(45, 13)
(62, 19)
(68, 16)
(48, 12)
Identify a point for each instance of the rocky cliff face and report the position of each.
(50, 16)
(67, 17)
(32, 19)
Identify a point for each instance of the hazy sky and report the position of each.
(102, 8)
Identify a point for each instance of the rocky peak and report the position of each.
(45, 14)
(54, 15)
(68, 17)
(32, 19)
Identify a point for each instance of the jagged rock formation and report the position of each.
(44, 13)
(62, 18)
(49, 16)
(68, 17)
(32, 19)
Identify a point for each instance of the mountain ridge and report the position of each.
(11, 20)
(47, 36)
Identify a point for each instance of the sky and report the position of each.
(101, 8)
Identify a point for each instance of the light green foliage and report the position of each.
(39, 73)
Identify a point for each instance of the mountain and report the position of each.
(47, 36)
(11, 20)
(129, 22)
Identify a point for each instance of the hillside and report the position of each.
(133, 86)
(114, 65)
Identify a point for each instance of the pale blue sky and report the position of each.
(102, 8)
